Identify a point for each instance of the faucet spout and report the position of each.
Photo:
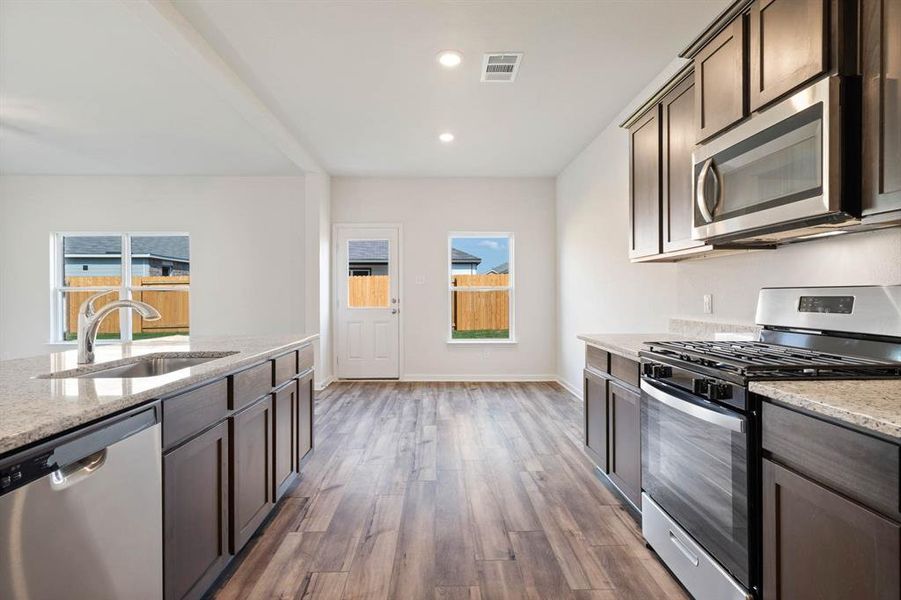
(89, 320)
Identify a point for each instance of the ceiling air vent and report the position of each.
(500, 67)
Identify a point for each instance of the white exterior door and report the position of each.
(368, 305)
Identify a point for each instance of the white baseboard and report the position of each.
(500, 378)
(577, 392)
(321, 385)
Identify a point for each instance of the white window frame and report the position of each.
(489, 288)
(58, 288)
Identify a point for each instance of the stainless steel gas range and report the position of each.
(700, 426)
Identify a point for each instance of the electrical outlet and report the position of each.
(708, 304)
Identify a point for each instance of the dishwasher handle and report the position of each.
(71, 474)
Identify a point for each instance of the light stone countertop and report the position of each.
(35, 409)
(873, 405)
(627, 344)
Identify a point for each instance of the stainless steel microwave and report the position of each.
(788, 172)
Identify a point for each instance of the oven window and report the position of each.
(697, 472)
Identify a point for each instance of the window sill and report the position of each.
(483, 342)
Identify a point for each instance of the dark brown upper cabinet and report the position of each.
(786, 47)
(881, 70)
(644, 163)
(678, 140)
(720, 81)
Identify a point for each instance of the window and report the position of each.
(368, 277)
(156, 270)
(480, 270)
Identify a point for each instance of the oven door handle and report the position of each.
(705, 412)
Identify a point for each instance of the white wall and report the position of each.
(428, 209)
(872, 258)
(318, 286)
(247, 246)
(598, 289)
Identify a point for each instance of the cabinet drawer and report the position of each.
(597, 359)
(250, 384)
(860, 466)
(625, 369)
(285, 368)
(194, 411)
(305, 358)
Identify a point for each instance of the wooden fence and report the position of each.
(480, 310)
(173, 306)
(368, 291)
(471, 310)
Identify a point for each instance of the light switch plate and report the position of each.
(708, 304)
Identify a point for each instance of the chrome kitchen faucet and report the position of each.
(89, 322)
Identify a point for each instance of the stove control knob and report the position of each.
(718, 391)
(655, 371)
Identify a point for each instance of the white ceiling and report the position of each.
(85, 87)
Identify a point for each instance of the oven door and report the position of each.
(694, 465)
(777, 171)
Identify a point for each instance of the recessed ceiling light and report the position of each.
(446, 137)
(450, 58)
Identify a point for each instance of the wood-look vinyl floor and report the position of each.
(448, 491)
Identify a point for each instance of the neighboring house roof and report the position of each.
(461, 257)
(174, 247)
(368, 251)
(501, 269)
(376, 252)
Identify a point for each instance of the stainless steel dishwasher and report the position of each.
(81, 515)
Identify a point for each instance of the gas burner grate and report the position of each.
(762, 360)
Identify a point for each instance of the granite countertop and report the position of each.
(627, 344)
(33, 409)
(873, 405)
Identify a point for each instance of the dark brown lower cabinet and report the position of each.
(819, 545)
(595, 398)
(304, 416)
(251, 470)
(625, 440)
(195, 512)
(284, 458)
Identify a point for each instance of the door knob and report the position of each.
(393, 311)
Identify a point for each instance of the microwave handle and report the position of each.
(694, 409)
(699, 190)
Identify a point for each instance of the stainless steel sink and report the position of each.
(150, 365)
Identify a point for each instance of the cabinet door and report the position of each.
(720, 81)
(787, 47)
(678, 142)
(644, 161)
(820, 545)
(594, 392)
(304, 416)
(195, 509)
(251, 470)
(625, 441)
(881, 66)
(284, 434)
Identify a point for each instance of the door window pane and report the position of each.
(92, 260)
(480, 315)
(368, 273)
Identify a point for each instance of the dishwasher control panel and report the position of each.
(15, 475)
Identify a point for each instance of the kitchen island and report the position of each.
(222, 441)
